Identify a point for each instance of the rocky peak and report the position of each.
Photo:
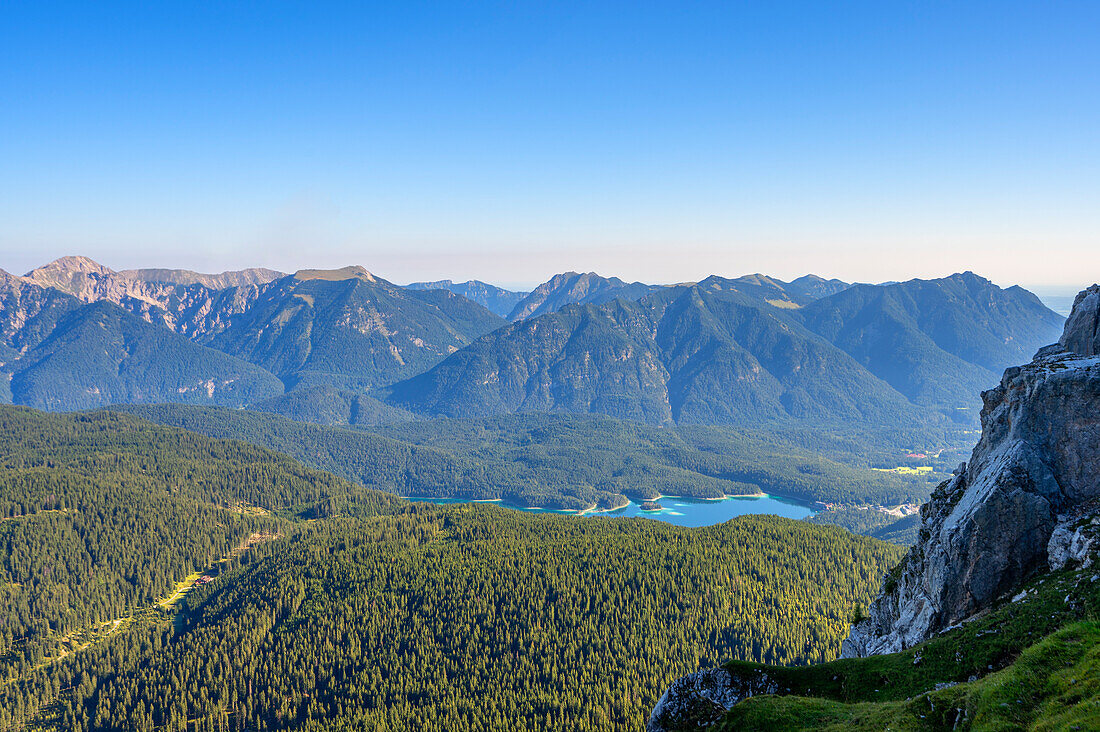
(1023, 504)
(73, 264)
(568, 288)
(1082, 333)
(88, 279)
(69, 274)
(353, 272)
(183, 301)
(575, 284)
(220, 281)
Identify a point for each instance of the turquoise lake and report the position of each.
(683, 511)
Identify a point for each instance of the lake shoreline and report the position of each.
(687, 511)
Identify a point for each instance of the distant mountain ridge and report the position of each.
(328, 328)
(727, 351)
(935, 340)
(341, 328)
(575, 288)
(188, 302)
(220, 281)
(90, 281)
(704, 353)
(344, 346)
(496, 299)
(349, 329)
(812, 287)
(61, 353)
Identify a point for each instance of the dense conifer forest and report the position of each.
(571, 461)
(338, 607)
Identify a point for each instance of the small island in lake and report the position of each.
(652, 506)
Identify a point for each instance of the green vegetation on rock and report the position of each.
(1029, 664)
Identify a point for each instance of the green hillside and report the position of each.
(1030, 664)
(586, 358)
(102, 513)
(336, 607)
(561, 461)
(331, 406)
(99, 354)
(348, 329)
(475, 618)
(642, 461)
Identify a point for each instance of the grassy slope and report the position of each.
(1035, 661)
(1054, 685)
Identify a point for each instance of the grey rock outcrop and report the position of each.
(1073, 542)
(1022, 505)
(221, 281)
(704, 696)
(195, 305)
(1082, 333)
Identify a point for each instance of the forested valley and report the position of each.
(579, 461)
(332, 606)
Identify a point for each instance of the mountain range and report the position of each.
(739, 351)
(348, 328)
(347, 347)
(495, 299)
(163, 575)
(78, 335)
(576, 288)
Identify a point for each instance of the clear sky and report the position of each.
(654, 141)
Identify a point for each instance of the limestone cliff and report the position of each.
(1019, 507)
(193, 304)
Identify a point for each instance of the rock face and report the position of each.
(220, 281)
(1082, 334)
(195, 305)
(1023, 504)
(705, 696)
(91, 281)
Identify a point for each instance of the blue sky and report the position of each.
(509, 141)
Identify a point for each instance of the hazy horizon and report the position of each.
(1049, 294)
(502, 142)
